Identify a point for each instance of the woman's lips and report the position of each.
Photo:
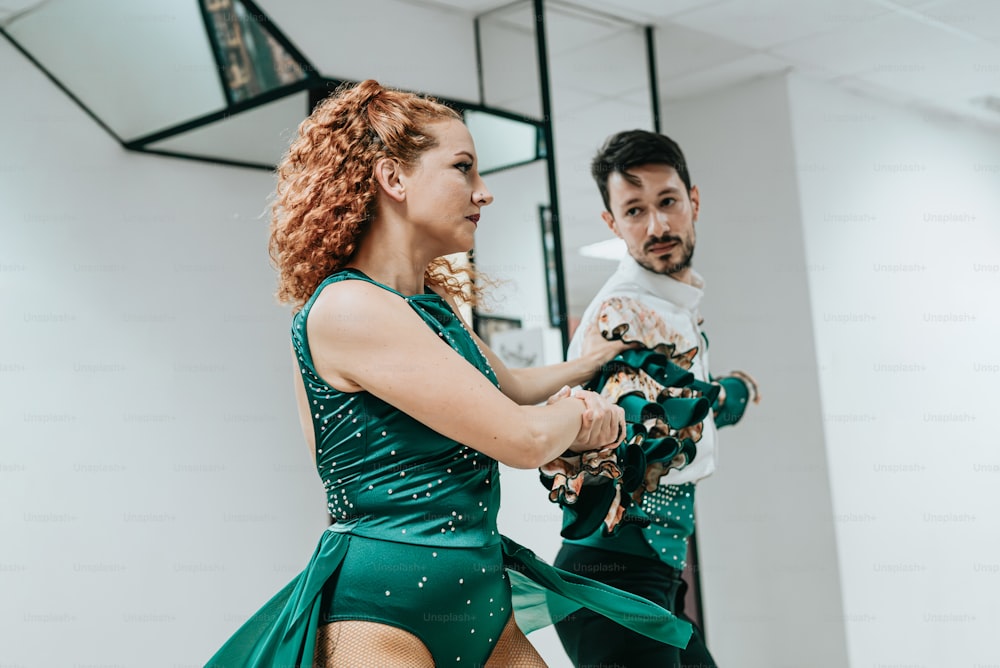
(474, 218)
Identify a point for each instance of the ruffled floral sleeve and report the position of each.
(665, 408)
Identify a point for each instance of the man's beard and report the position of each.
(687, 254)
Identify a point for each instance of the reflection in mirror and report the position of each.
(508, 53)
(503, 142)
(510, 253)
(256, 137)
(216, 80)
(511, 246)
(252, 60)
(600, 85)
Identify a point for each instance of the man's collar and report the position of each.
(682, 294)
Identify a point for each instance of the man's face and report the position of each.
(652, 211)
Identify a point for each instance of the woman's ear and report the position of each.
(388, 173)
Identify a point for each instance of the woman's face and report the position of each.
(444, 191)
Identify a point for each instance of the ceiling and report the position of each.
(938, 55)
(942, 54)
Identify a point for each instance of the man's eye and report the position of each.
(634, 211)
(668, 201)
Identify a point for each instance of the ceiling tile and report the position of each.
(912, 3)
(606, 67)
(644, 11)
(472, 7)
(976, 17)
(518, 16)
(567, 100)
(890, 43)
(725, 74)
(955, 74)
(574, 30)
(761, 24)
(914, 62)
(681, 51)
(11, 8)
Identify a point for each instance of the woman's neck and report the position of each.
(390, 263)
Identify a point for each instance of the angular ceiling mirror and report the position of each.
(216, 80)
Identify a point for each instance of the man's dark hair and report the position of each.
(632, 148)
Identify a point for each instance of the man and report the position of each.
(652, 206)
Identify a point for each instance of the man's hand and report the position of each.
(751, 384)
(600, 350)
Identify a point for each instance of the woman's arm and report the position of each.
(364, 338)
(533, 385)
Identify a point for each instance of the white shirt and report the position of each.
(677, 303)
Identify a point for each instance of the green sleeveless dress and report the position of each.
(414, 543)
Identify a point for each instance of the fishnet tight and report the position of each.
(356, 644)
(513, 650)
(368, 645)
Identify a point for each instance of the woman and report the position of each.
(407, 411)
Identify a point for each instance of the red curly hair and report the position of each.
(326, 192)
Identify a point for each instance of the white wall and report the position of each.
(154, 485)
(902, 230)
(765, 525)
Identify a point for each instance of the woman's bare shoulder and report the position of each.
(353, 307)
